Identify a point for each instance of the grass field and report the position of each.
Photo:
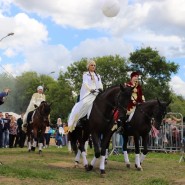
(56, 166)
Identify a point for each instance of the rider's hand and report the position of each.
(92, 91)
(100, 90)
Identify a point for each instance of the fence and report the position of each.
(169, 138)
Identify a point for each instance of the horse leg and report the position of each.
(145, 149)
(137, 154)
(125, 153)
(105, 142)
(95, 139)
(41, 141)
(34, 144)
(77, 158)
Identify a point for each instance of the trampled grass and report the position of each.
(56, 166)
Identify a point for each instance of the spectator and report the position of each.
(1, 129)
(6, 130)
(59, 133)
(47, 136)
(3, 95)
(13, 131)
(65, 136)
(21, 136)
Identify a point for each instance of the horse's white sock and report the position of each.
(93, 161)
(85, 162)
(126, 157)
(142, 157)
(137, 160)
(77, 158)
(40, 146)
(29, 145)
(102, 163)
(34, 143)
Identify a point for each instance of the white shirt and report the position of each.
(90, 81)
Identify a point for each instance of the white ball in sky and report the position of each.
(111, 8)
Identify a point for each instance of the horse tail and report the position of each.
(72, 136)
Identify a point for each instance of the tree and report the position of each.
(155, 70)
(112, 70)
(60, 94)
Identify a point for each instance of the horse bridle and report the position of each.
(150, 117)
(114, 108)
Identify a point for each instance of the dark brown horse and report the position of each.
(37, 125)
(101, 124)
(152, 111)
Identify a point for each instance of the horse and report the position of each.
(146, 114)
(37, 121)
(100, 124)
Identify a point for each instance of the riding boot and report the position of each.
(24, 127)
(120, 126)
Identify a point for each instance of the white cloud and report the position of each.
(177, 84)
(155, 23)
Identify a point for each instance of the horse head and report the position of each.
(124, 98)
(160, 112)
(44, 108)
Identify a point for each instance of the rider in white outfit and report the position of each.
(36, 99)
(91, 86)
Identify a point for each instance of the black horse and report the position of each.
(145, 115)
(37, 125)
(101, 124)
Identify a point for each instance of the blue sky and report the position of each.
(50, 35)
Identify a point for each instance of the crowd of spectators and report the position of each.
(12, 135)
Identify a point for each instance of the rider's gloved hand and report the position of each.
(92, 91)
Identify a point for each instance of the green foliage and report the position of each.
(62, 92)
(177, 104)
(155, 70)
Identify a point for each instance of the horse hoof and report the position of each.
(32, 148)
(89, 167)
(139, 168)
(29, 150)
(128, 165)
(106, 161)
(102, 173)
(76, 164)
(40, 151)
(86, 167)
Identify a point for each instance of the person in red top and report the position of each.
(137, 94)
(136, 98)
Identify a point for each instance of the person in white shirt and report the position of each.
(36, 99)
(91, 86)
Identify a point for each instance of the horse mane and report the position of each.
(150, 102)
(107, 90)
